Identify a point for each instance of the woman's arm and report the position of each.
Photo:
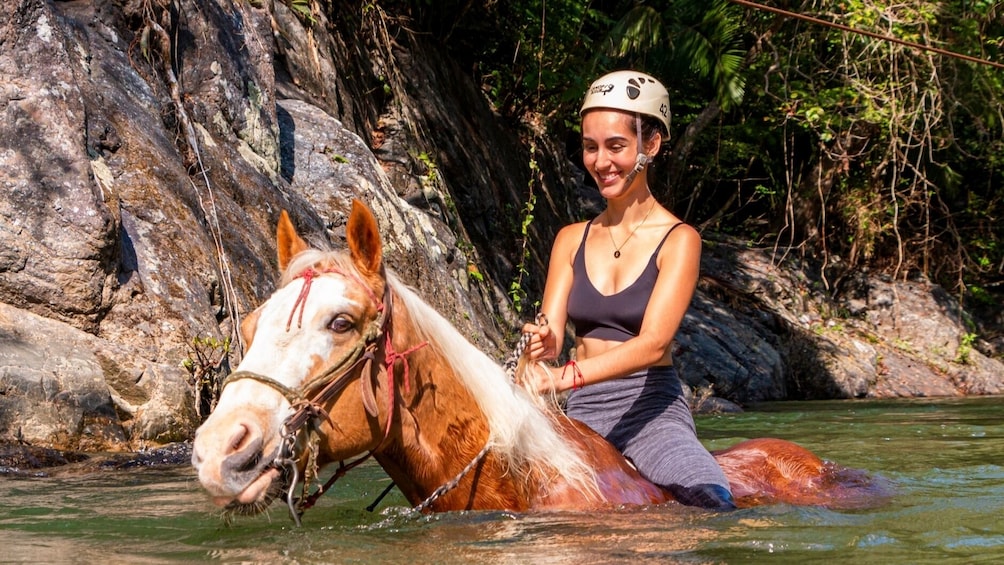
(546, 341)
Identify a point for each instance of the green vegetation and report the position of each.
(335, 157)
(206, 366)
(965, 348)
(517, 293)
(302, 9)
(862, 153)
(882, 155)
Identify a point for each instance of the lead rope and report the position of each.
(510, 368)
(513, 360)
(456, 480)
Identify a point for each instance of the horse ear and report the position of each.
(364, 239)
(288, 242)
(249, 325)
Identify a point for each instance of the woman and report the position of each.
(625, 280)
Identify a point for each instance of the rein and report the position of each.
(513, 360)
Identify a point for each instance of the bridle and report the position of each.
(309, 399)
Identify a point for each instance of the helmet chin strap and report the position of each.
(641, 160)
(639, 166)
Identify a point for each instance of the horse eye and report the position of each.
(340, 325)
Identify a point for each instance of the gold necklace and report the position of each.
(617, 248)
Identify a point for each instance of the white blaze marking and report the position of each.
(288, 356)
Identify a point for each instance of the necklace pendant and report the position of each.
(617, 254)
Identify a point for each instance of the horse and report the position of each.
(344, 362)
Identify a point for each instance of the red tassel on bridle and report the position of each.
(301, 300)
(390, 358)
(308, 276)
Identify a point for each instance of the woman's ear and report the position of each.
(653, 145)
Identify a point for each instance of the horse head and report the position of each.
(309, 346)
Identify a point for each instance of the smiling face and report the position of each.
(610, 150)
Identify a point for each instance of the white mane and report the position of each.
(521, 432)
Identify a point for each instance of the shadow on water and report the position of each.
(944, 458)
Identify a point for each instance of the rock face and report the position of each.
(762, 327)
(145, 158)
(146, 151)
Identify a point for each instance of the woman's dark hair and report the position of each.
(650, 126)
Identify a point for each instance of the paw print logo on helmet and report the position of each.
(634, 87)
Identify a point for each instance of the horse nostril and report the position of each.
(238, 437)
(251, 463)
(243, 450)
(243, 461)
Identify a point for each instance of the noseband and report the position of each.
(309, 400)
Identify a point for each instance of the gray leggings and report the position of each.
(646, 417)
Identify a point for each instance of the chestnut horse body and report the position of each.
(344, 361)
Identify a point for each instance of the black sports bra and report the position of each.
(616, 317)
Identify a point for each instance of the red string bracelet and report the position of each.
(578, 379)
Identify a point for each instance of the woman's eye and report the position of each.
(340, 325)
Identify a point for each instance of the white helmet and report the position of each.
(631, 91)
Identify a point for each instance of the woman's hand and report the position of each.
(542, 379)
(545, 379)
(543, 344)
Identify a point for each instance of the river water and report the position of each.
(945, 459)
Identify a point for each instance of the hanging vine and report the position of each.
(159, 49)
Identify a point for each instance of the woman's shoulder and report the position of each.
(682, 231)
(681, 240)
(567, 242)
(572, 232)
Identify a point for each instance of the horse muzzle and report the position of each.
(236, 465)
